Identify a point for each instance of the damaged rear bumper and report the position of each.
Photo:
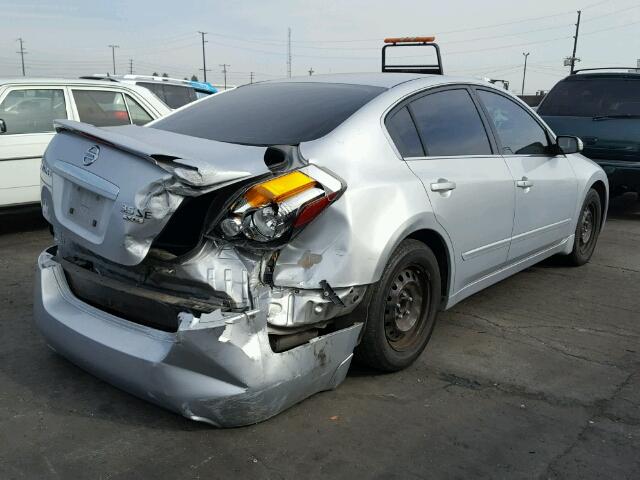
(218, 369)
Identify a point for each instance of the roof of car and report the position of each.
(377, 79)
(49, 81)
(606, 74)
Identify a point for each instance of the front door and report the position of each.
(469, 185)
(546, 187)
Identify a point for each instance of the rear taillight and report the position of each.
(277, 208)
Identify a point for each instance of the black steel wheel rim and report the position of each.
(407, 301)
(587, 229)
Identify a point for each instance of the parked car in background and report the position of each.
(28, 108)
(602, 107)
(225, 261)
(175, 93)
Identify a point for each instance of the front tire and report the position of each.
(587, 230)
(402, 309)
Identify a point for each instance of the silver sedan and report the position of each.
(231, 259)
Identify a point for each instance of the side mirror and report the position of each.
(567, 144)
(3, 126)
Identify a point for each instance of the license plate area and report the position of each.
(84, 206)
(84, 212)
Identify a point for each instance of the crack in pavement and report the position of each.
(617, 267)
(600, 406)
(515, 331)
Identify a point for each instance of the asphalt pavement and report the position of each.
(535, 377)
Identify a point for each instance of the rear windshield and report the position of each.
(284, 113)
(175, 96)
(591, 97)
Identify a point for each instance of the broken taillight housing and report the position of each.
(276, 209)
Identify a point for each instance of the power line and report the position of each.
(615, 27)
(615, 12)
(22, 53)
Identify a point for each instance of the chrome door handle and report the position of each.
(443, 186)
(524, 183)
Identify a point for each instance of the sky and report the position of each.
(68, 38)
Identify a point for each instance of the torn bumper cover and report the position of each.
(219, 368)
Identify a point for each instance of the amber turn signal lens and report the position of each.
(278, 189)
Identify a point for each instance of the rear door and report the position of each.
(28, 112)
(546, 186)
(468, 183)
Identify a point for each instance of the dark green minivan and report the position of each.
(603, 109)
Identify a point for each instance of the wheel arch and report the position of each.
(424, 227)
(601, 188)
(436, 242)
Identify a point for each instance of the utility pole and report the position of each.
(250, 77)
(131, 66)
(204, 60)
(224, 70)
(524, 73)
(113, 56)
(575, 43)
(311, 71)
(22, 53)
(289, 52)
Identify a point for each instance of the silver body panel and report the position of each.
(220, 367)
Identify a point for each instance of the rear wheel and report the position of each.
(402, 309)
(587, 229)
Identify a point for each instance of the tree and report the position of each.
(155, 74)
(165, 75)
(194, 78)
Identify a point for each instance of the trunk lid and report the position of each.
(114, 189)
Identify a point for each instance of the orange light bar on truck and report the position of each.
(409, 39)
(278, 189)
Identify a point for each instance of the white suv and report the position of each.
(28, 108)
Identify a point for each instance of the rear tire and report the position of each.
(587, 230)
(402, 309)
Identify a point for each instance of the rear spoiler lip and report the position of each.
(195, 172)
(103, 136)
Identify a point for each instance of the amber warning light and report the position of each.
(409, 39)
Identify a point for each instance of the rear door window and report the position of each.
(101, 108)
(32, 110)
(175, 96)
(518, 132)
(404, 134)
(450, 125)
(592, 97)
(139, 116)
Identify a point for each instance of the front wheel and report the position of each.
(587, 229)
(402, 309)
